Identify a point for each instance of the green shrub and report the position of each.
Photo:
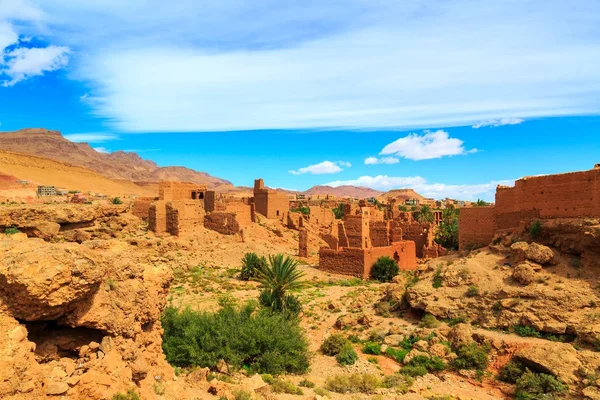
(268, 379)
(399, 382)
(338, 211)
(251, 264)
(384, 269)
(130, 395)
(306, 383)
(372, 348)
(471, 356)
(281, 386)
(266, 342)
(333, 344)
(534, 386)
(242, 395)
(437, 278)
(511, 372)
(280, 276)
(11, 230)
(526, 331)
(497, 308)
(429, 321)
(347, 356)
(421, 365)
(408, 341)
(396, 354)
(116, 200)
(304, 210)
(461, 319)
(472, 291)
(353, 383)
(535, 229)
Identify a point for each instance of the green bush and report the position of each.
(534, 386)
(396, 354)
(280, 276)
(526, 331)
(437, 278)
(306, 383)
(535, 229)
(372, 348)
(429, 321)
(116, 200)
(11, 230)
(130, 395)
(353, 383)
(280, 386)
(347, 356)
(264, 341)
(242, 395)
(421, 365)
(461, 319)
(333, 344)
(251, 264)
(511, 372)
(304, 210)
(471, 356)
(472, 291)
(384, 269)
(338, 211)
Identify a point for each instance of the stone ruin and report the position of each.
(569, 195)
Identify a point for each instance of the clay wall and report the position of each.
(303, 243)
(395, 230)
(342, 236)
(141, 207)
(379, 233)
(321, 215)
(183, 216)
(242, 211)
(347, 261)
(270, 203)
(357, 229)
(157, 217)
(295, 220)
(421, 234)
(222, 222)
(210, 197)
(404, 252)
(169, 190)
(476, 227)
(571, 195)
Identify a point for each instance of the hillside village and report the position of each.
(169, 288)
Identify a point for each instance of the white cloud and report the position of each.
(91, 137)
(102, 150)
(342, 63)
(17, 62)
(382, 160)
(427, 146)
(325, 167)
(421, 186)
(498, 122)
(24, 63)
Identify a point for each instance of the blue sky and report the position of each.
(450, 98)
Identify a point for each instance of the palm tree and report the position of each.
(425, 215)
(481, 203)
(279, 277)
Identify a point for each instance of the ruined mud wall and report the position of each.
(476, 227)
(241, 210)
(421, 234)
(356, 231)
(348, 261)
(183, 216)
(575, 194)
(404, 252)
(303, 243)
(168, 190)
(321, 215)
(222, 222)
(141, 207)
(379, 233)
(395, 231)
(157, 217)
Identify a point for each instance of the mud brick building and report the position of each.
(270, 203)
(569, 195)
(355, 243)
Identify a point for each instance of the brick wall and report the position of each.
(575, 194)
(222, 222)
(169, 190)
(379, 233)
(303, 243)
(210, 197)
(242, 211)
(356, 230)
(183, 216)
(395, 231)
(270, 203)
(141, 207)
(321, 215)
(348, 261)
(157, 217)
(421, 234)
(476, 227)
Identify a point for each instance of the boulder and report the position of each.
(45, 230)
(524, 274)
(539, 253)
(559, 359)
(460, 334)
(414, 353)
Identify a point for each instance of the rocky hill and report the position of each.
(360, 192)
(118, 165)
(400, 195)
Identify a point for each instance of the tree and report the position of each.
(251, 264)
(116, 200)
(402, 208)
(279, 277)
(424, 215)
(481, 203)
(447, 232)
(384, 269)
(339, 211)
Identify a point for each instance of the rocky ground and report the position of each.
(82, 289)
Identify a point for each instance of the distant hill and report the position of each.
(37, 170)
(118, 165)
(359, 192)
(400, 195)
